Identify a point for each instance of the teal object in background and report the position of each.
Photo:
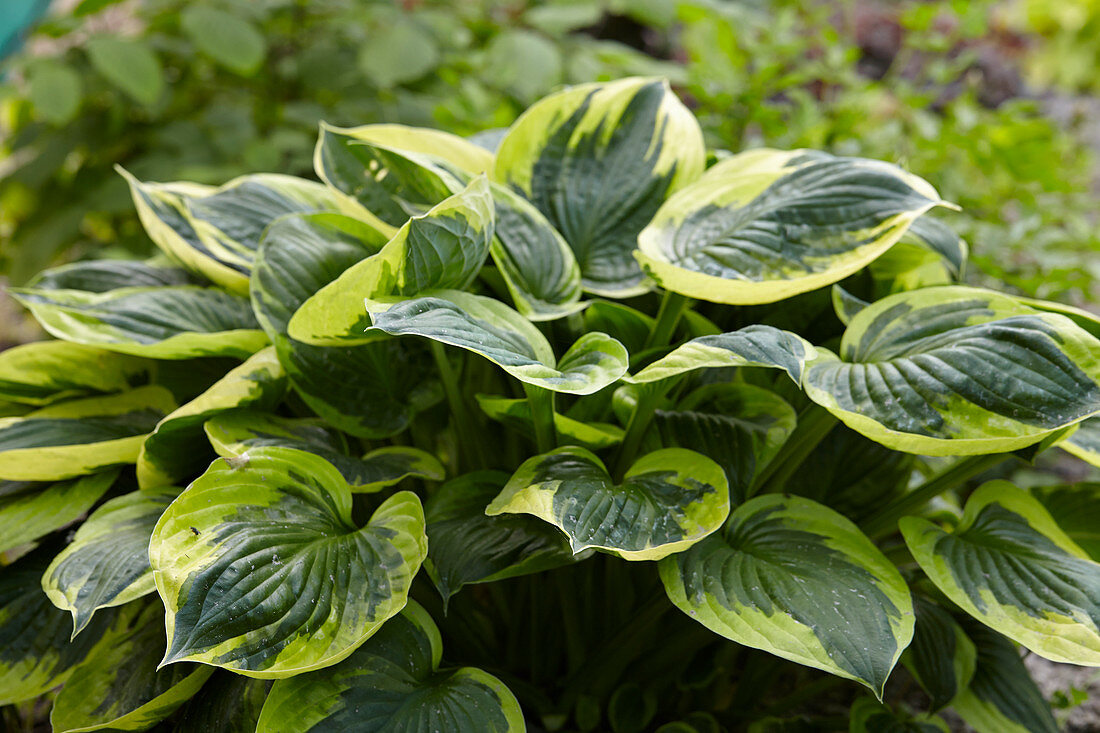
(17, 17)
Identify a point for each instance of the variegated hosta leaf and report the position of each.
(739, 426)
(1084, 443)
(107, 562)
(768, 224)
(235, 433)
(393, 683)
(120, 688)
(1085, 319)
(516, 415)
(491, 329)
(263, 572)
(215, 232)
(755, 346)
(390, 184)
(27, 515)
(852, 474)
(936, 236)
(908, 266)
(598, 160)
(444, 248)
(178, 448)
(1008, 565)
(369, 390)
(465, 546)
(1002, 697)
(941, 657)
(794, 578)
(298, 256)
(958, 371)
(930, 253)
(385, 467)
(35, 652)
(77, 437)
(846, 305)
(99, 276)
(1076, 511)
(537, 264)
(339, 164)
(668, 500)
(176, 322)
(227, 703)
(49, 371)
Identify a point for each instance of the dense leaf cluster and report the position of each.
(577, 408)
(210, 92)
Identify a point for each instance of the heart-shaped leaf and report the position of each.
(1008, 565)
(668, 500)
(756, 346)
(1076, 511)
(794, 578)
(263, 572)
(958, 371)
(215, 232)
(465, 546)
(235, 433)
(444, 248)
(34, 636)
(516, 415)
(491, 329)
(767, 224)
(739, 426)
(942, 657)
(177, 447)
(38, 510)
(393, 683)
(371, 390)
(81, 436)
(119, 687)
(1085, 441)
(107, 562)
(49, 371)
(1002, 697)
(180, 322)
(597, 160)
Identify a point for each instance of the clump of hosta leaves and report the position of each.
(584, 429)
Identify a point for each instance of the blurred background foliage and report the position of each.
(989, 100)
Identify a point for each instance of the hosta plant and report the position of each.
(589, 428)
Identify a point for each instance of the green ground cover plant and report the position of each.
(582, 426)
